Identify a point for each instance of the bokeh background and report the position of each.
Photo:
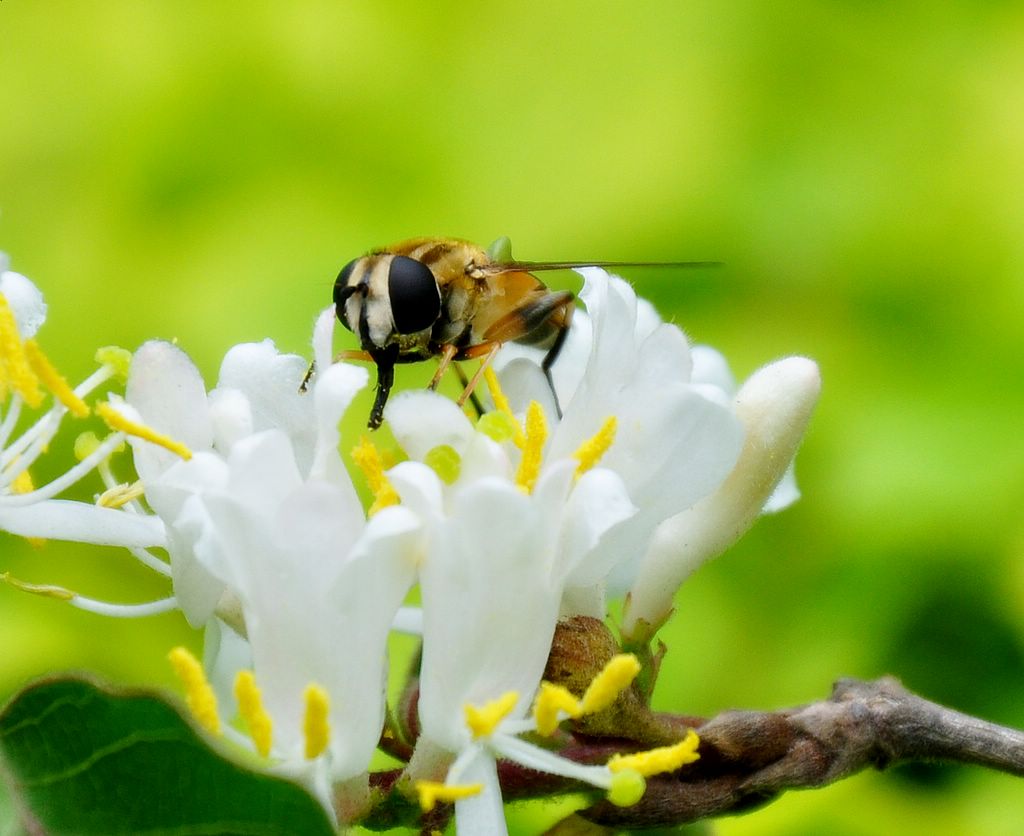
(200, 171)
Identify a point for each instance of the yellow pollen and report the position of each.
(250, 706)
(58, 592)
(368, 459)
(116, 421)
(662, 759)
(589, 453)
(501, 404)
(613, 679)
(15, 371)
(483, 720)
(533, 449)
(430, 792)
(120, 495)
(53, 381)
(199, 696)
(551, 700)
(315, 727)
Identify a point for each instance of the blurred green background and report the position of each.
(201, 171)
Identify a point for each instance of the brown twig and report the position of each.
(748, 757)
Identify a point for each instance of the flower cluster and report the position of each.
(645, 461)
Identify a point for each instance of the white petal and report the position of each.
(165, 388)
(25, 299)
(775, 406)
(598, 503)
(323, 338)
(423, 420)
(231, 418)
(270, 382)
(486, 601)
(482, 814)
(333, 393)
(81, 522)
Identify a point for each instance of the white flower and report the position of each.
(26, 378)
(266, 508)
(677, 437)
(775, 405)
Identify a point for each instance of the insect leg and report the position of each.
(488, 350)
(555, 350)
(473, 399)
(447, 354)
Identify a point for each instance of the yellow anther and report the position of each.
(627, 788)
(116, 421)
(23, 483)
(613, 679)
(431, 792)
(589, 453)
(551, 700)
(53, 380)
(662, 759)
(445, 461)
(250, 707)
(315, 727)
(483, 720)
(501, 404)
(120, 495)
(86, 444)
(15, 371)
(58, 592)
(368, 459)
(533, 449)
(199, 696)
(116, 358)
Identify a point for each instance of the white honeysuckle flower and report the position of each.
(775, 405)
(26, 378)
(491, 580)
(677, 438)
(267, 510)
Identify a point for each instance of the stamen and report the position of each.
(613, 679)
(483, 720)
(116, 359)
(502, 406)
(199, 696)
(46, 591)
(431, 792)
(662, 759)
(120, 495)
(551, 700)
(589, 453)
(367, 458)
(53, 380)
(315, 727)
(533, 449)
(250, 706)
(116, 421)
(15, 370)
(445, 461)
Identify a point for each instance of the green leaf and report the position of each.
(85, 759)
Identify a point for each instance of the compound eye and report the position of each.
(342, 291)
(415, 298)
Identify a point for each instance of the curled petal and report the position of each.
(62, 519)
(775, 406)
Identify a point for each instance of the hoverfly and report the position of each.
(448, 298)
